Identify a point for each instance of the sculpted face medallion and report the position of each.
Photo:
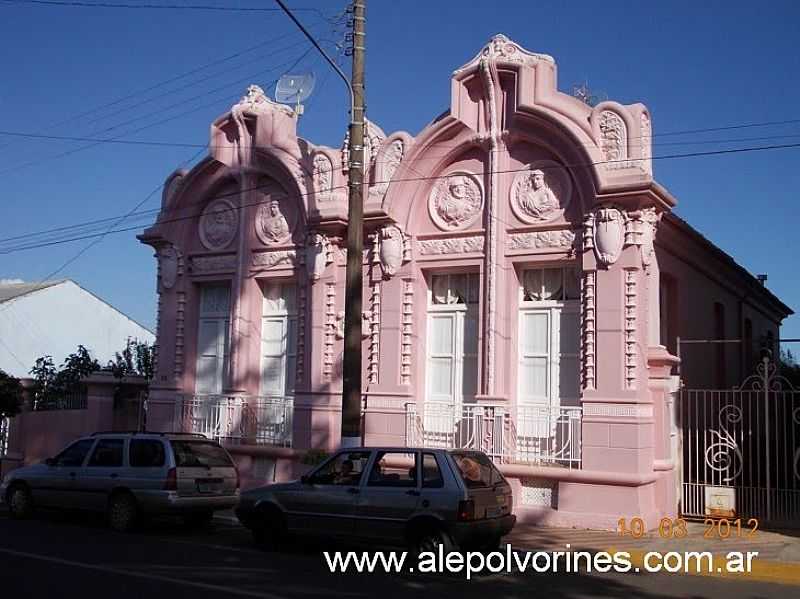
(541, 193)
(218, 224)
(456, 201)
(272, 227)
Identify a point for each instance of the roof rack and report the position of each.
(160, 433)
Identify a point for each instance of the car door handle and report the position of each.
(353, 490)
(413, 492)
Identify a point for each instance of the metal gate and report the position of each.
(741, 449)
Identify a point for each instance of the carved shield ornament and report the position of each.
(391, 249)
(609, 231)
(317, 255)
(168, 260)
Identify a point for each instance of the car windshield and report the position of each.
(194, 454)
(476, 469)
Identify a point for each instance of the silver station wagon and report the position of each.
(129, 475)
(424, 498)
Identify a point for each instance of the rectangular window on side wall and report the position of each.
(213, 339)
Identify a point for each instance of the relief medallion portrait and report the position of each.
(456, 201)
(541, 193)
(218, 224)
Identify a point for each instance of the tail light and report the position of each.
(466, 510)
(171, 484)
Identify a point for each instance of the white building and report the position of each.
(53, 318)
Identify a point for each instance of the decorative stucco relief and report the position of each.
(330, 330)
(406, 332)
(373, 368)
(386, 165)
(392, 249)
(613, 140)
(301, 333)
(318, 254)
(180, 333)
(588, 329)
(218, 224)
(630, 329)
(451, 245)
(646, 140)
(322, 176)
(535, 240)
(617, 410)
(254, 102)
(456, 201)
(274, 258)
(502, 49)
(219, 263)
(366, 319)
(542, 193)
(272, 225)
(605, 232)
(373, 138)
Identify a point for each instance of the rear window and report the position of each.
(476, 469)
(146, 453)
(193, 454)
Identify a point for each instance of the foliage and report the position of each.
(789, 368)
(314, 456)
(10, 395)
(51, 385)
(137, 358)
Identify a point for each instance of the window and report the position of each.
(200, 454)
(107, 453)
(213, 339)
(345, 469)
(278, 340)
(146, 453)
(720, 377)
(393, 469)
(476, 469)
(549, 337)
(453, 336)
(74, 455)
(431, 474)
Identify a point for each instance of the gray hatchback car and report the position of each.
(128, 475)
(425, 498)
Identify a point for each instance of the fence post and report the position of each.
(765, 383)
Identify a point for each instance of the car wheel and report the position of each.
(122, 512)
(20, 502)
(430, 539)
(198, 519)
(269, 529)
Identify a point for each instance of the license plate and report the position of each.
(493, 512)
(208, 486)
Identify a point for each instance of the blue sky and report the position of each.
(694, 64)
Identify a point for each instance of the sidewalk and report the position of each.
(778, 558)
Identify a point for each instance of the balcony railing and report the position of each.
(237, 419)
(540, 435)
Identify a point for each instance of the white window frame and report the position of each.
(222, 320)
(553, 309)
(287, 318)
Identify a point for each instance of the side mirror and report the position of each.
(50, 461)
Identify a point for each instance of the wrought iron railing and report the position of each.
(528, 435)
(256, 420)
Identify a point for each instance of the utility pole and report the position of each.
(354, 278)
(354, 281)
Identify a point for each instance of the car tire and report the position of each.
(431, 538)
(123, 513)
(20, 502)
(198, 519)
(269, 529)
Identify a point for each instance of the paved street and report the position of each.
(59, 555)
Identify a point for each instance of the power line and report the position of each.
(407, 179)
(70, 4)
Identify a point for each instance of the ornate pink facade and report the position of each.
(513, 279)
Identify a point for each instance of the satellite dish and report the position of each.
(293, 89)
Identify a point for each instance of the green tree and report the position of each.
(789, 368)
(10, 395)
(51, 385)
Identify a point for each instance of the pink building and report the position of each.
(525, 286)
